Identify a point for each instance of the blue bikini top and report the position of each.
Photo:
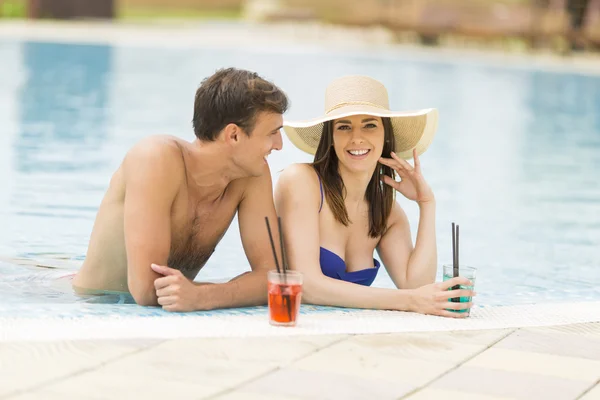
(334, 266)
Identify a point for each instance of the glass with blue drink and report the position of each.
(466, 272)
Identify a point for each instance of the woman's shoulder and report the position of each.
(301, 173)
(298, 183)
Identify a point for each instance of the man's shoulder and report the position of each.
(163, 146)
(158, 157)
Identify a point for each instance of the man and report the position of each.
(171, 201)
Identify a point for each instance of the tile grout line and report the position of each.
(76, 373)
(416, 390)
(274, 369)
(589, 389)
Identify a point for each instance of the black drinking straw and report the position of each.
(286, 298)
(272, 245)
(457, 247)
(285, 268)
(283, 257)
(455, 270)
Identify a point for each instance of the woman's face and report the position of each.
(358, 142)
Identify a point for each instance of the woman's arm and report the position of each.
(297, 200)
(410, 267)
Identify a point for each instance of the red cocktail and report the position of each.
(285, 293)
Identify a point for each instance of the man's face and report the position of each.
(264, 138)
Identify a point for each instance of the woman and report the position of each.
(340, 208)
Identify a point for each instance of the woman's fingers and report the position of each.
(392, 182)
(451, 294)
(459, 280)
(402, 162)
(416, 159)
(392, 163)
(389, 181)
(451, 314)
(456, 306)
(401, 172)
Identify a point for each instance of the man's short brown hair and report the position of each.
(234, 96)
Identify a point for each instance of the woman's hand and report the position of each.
(435, 298)
(412, 184)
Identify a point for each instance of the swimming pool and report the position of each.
(515, 160)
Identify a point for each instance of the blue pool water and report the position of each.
(515, 161)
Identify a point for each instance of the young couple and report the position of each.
(170, 202)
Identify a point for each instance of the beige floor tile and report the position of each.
(484, 337)
(593, 394)
(518, 385)
(419, 346)
(570, 344)
(538, 363)
(242, 395)
(325, 386)
(585, 329)
(25, 365)
(445, 394)
(44, 395)
(352, 359)
(181, 366)
(105, 384)
(270, 349)
(219, 362)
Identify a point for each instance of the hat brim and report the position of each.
(412, 129)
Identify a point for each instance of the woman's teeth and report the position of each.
(358, 152)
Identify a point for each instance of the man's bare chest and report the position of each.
(196, 230)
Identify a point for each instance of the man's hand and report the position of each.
(175, 292)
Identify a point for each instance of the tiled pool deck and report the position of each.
(560, 362)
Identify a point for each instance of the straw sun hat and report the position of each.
(357, 95)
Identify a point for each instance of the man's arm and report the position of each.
(152, 171)
(250, 288)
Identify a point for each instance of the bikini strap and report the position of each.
(320, 187)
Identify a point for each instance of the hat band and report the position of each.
(354, 103)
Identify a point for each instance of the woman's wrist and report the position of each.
(404, 300)
(427, 203)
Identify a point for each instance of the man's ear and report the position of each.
(231, 133)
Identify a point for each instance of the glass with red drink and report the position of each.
(285, 292)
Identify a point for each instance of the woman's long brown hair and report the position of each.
(379, 195)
